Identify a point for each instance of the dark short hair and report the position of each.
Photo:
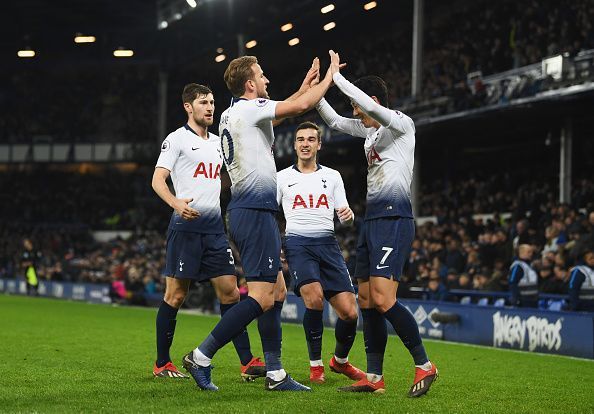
(309, 125)
(238, 73)
(374, 86)
(194, 90)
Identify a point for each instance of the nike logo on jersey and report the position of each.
(291, 185)
(378, 267)
(194, 149)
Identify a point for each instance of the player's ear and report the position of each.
(188, 107)
(375, 99)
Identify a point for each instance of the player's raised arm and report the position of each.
(368, 104)
(181, 206)
(306, 101)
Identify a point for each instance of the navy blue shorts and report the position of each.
(197, 256)
(255, 233)
(383, 247)
(317, 260)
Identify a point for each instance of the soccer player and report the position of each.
(197, 247)
(388, 229)
(247, 138)
(310, 193)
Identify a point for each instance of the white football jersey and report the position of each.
(390, 151)
(309, 200)
(195, 165)
(247, 138)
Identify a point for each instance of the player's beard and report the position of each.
(203, 122)
(263, 94)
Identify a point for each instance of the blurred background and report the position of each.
(501, 93)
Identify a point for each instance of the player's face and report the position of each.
(261, 82)
(203, 110)
(589, 259)
(368, 122)
(307, 144)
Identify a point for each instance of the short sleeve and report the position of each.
(169, 154)
(262, 109)
(340, 199)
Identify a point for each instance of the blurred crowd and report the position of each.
(118, 103)
(462, 242)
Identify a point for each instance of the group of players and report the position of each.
(310, 194)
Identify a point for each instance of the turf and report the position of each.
(60, 356)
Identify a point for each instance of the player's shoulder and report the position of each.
(331, 171)
(404, 118)
(285, 172)
(213, 137)
(172, 139)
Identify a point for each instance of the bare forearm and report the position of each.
(160, 186)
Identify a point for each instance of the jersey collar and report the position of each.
(234, 100)
(186, 126)
(318, 167)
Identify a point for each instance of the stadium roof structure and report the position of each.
(189, 32)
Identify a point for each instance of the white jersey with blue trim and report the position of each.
(390, 151)
(247, 138)
(195, 165)
(309, 200)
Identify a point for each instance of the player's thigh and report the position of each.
(389, 243)
(304, 266)
(345, 305)
(256, 235)
(280, 288)
(312, 295)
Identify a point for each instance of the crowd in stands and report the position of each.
(119, 103)
(468, 238)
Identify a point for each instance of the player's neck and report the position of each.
(201, 131)
(249, 96)
(308, 166)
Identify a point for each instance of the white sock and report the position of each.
(316, 363)
(200, 358)
(341, 360)
(277, 375)
(374, 377)
(426, 366)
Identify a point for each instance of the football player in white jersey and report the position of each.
(197, 247)
(247, 138)
(388, 229)
(309, 194)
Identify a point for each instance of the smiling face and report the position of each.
(201, 110)
(307, 144)
(368, 122)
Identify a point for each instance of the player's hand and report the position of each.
(345, 215)
(312, 77)
(335, 64)
(182, 208)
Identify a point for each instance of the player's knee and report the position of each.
(280, 293)
(381, 302)
(175, 298)
(313, 301)
(229, 295)
(363, 301)
(266, 302)
(349, 314)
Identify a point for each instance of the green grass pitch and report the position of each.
(60, 356)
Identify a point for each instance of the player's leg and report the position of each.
(175, 294)
(270, 329)
(313, 325)
(228, 295)
(345, 306)
(375, 333)
(383, 290)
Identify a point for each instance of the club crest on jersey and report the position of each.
(324, 183)
(299, 201)
(165, 146)
(208, 173)
(372, 156)
(261, 102)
